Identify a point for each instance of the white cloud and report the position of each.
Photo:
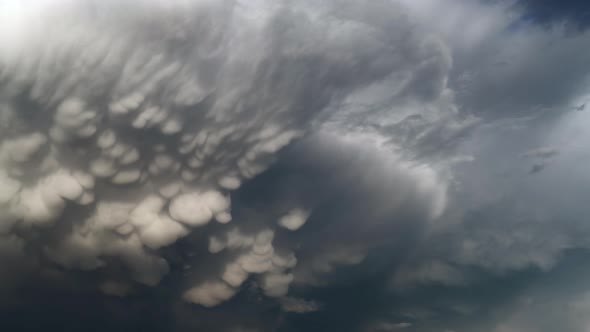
(209, 294)
(294, 219)
(196, 209)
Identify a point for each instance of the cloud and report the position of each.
(294, 219)
(572, 13)
(114, 288)
(209, 294)
(128, 131)
(227, 163)
(387, 326)
(343, 180)
(505, 66)
(197, 209)
(429, 272)
(541, 153)
(541, 156)
(300, 306)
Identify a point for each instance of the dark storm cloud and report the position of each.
(359, 198)
(292, 166)
(127, 134)
(527, 83)
(572, 13)
(503, 66)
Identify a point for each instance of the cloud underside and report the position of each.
(264, 166)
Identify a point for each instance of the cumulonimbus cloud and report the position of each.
(126, 127)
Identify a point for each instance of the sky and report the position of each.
(286, 166)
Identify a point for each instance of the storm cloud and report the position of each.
(293, 165)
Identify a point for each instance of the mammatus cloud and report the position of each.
(282, 166)
(126, 128)
(294, 219)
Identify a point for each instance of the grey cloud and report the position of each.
(541, 153)
(431, 272)
(361, 196)
(504, 66)
(242, 164)
(536, 168)
(387, 326)
(573, 13)
(127, 136)
(541, 156)
(296, 305)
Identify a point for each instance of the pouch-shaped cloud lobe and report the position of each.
(127, 127)
(290, 166)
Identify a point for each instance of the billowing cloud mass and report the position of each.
(293, 165)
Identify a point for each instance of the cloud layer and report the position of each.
(291, 165)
